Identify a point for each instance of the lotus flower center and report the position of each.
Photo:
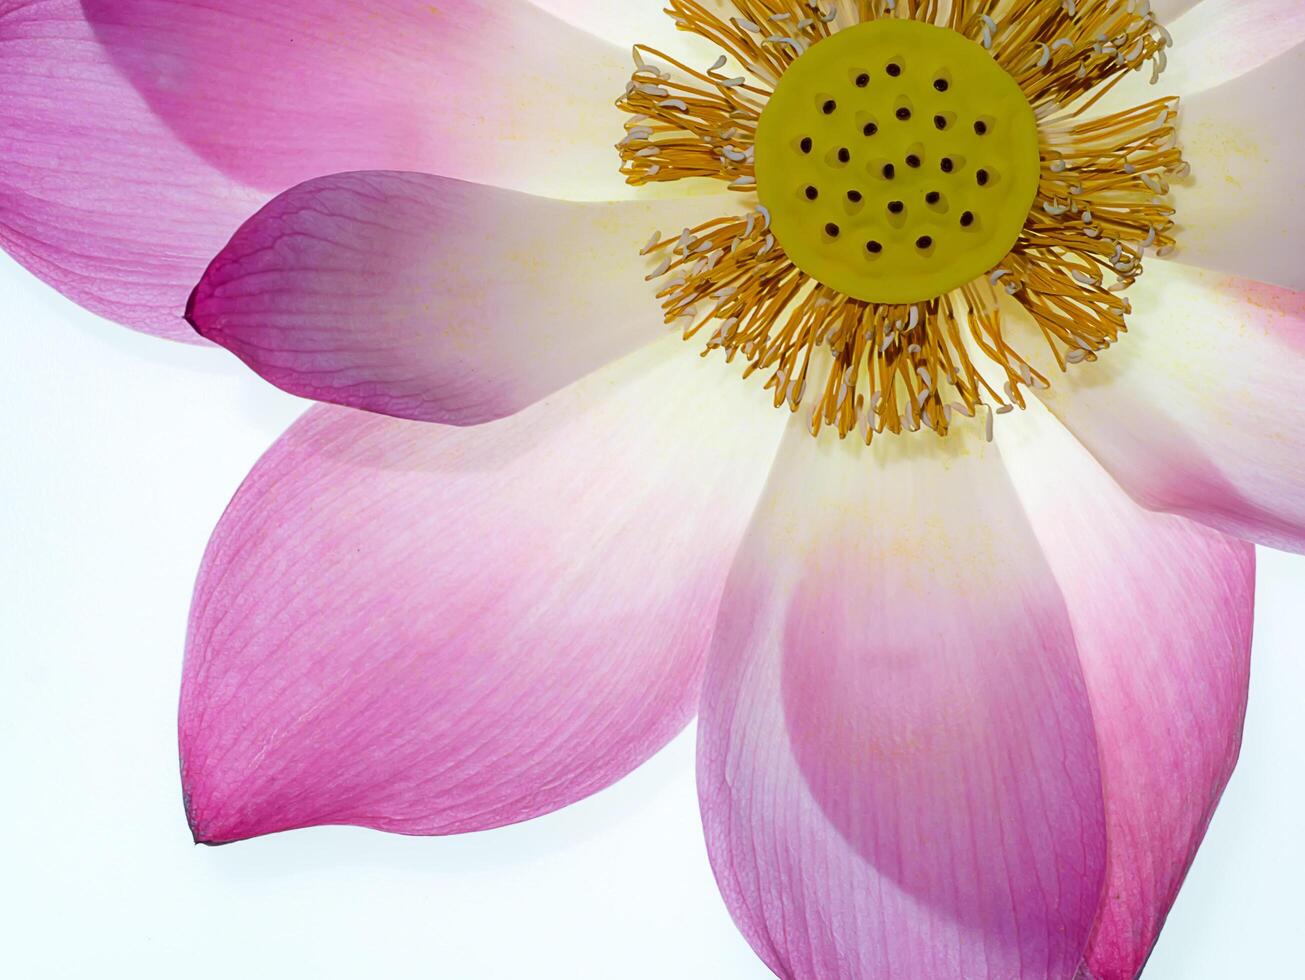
(898, 161)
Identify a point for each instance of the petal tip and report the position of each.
(201, 325)
(211, 828)
(209, 818)
(189, 313)
(198, 833)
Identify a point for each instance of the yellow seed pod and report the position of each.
(898, 161)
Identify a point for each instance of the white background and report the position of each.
(119, 452)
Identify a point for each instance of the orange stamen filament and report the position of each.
(871, 368)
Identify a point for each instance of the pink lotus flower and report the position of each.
(970, 696)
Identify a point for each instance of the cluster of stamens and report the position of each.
(868, 351)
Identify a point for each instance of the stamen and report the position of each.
(865, 367)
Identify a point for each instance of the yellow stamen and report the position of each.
(861, 359)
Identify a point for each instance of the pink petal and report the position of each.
(139, 133)
(1220, 40)
(432, 630)
(1198, 410)
(429, 298)
(897, 764)
(1167, 11)
(1162, 611)
(501, 93)
(643, 22)
(624, 24)
(97, 198)
(1241, 213)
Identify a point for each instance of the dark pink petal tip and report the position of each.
(189, 313)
